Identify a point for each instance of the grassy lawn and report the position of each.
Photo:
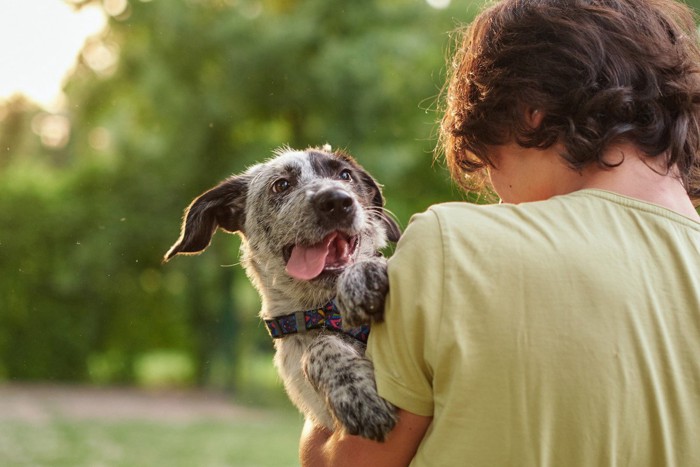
(86, 426)
(270, 441)
(76, 426)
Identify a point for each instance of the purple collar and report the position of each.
(326, 317)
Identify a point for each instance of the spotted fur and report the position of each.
(325, 374)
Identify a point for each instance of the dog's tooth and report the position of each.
(343, 248)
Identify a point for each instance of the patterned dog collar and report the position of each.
(326, 317)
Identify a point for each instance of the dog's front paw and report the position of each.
(365, 414)
(361, 292)
(336, 369)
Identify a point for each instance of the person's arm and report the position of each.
(320, 447)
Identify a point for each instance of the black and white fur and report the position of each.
(298, 197)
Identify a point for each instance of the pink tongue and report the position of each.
(305, 263)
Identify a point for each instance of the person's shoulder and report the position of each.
(446, 222)
(536, 211)
(431, 222)
(496, 222)
(476, 216)
(442, 217)
(458, 211)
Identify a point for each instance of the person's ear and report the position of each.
(534, 117)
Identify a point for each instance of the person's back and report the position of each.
(568, 335)
(563, 327)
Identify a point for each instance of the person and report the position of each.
(562, 326)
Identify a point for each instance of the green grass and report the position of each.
(47, 430)
(271, 440)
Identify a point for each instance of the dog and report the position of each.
(312, 223)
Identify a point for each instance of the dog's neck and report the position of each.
(281, 294)
(276, 302)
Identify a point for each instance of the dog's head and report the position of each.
(304, 214)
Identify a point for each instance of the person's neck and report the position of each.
(641, 178)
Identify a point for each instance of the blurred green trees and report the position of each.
(172, 98)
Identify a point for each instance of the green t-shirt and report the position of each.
(559, 333)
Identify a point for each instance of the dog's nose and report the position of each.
(333, 205)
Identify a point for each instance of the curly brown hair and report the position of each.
(601, 71)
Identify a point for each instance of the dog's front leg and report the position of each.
(338, 370)
(361, 292)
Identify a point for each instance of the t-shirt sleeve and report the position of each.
(401, 346)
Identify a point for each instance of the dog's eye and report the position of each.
(281, 185)
(345, 175)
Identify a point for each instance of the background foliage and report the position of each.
(171, 98)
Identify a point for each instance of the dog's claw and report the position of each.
(361, 292)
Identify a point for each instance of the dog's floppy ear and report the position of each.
(221, 207)
(393, 231)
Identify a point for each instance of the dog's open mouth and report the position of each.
(332, 254)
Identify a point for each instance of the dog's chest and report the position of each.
(289, 355)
